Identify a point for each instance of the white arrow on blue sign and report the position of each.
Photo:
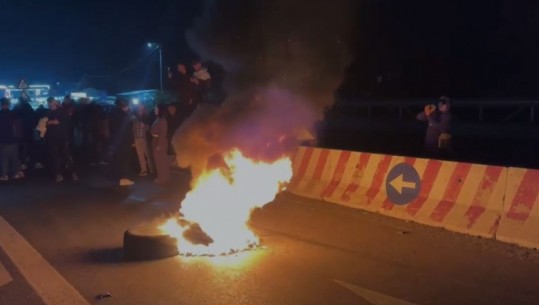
(403, 184)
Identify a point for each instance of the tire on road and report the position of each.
(148, 243)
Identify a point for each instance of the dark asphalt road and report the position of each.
(315, 253)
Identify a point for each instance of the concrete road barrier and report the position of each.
(461, 197)
(520, 217)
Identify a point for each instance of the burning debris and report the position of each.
(239, 156)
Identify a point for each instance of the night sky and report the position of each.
(62, 40)
(398, 48)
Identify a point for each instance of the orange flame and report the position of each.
(222, 200)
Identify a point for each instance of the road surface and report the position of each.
(61, 244)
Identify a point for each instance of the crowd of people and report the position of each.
(65, 135)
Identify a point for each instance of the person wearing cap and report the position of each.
(9, 150)
(121, 141)
(57, 141)
(438, 117)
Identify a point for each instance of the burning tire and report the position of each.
(148, 243)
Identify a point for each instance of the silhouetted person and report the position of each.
(202, 83)
(39, 152)
(121, 141)
(57, 141)
(439, 122)
(174, 120)
(141, 130)
(10, 165)
(26, 114)
(181, 85)
(159, 133)
(68, 106)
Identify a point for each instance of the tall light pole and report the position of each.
(158, 47)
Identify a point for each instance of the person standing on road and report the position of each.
(9, 150)
(159, 132)
(39, 151)
(437, 137)
(140, 137)
(121, 141)
(68, 107)
(57, 141)
(174, 120)
(26, 114)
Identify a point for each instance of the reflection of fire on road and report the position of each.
(218, 207)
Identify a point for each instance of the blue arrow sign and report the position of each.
(403, 184)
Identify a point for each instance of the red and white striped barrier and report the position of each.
(461, 197)
(520, 218)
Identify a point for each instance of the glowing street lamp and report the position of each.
(157, 46)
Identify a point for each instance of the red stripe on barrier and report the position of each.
(305, 160)
(321, 164)
(359, 170)
(379, 177)
(452, 192)
(525, 197)
(388, 205)
(427, 182)
(337, 176)
(483, 194)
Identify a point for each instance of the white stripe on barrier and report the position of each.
(462, 197)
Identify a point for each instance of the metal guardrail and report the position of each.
(524, 110)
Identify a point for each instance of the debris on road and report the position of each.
(103, 296)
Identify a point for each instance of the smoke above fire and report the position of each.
(283, 61)
(301, 45)
(265, 124)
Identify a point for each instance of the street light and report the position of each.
(157, 46)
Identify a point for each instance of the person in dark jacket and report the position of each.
(69, 108)
(180, 83)
(438, 117)
(9, 150)
(121, 141)
(26, 114)
(10, 127)
(174, 120)
(57, 141)
(39, 151)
